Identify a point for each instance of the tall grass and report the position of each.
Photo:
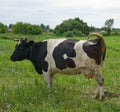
(23, 90)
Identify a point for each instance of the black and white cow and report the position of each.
(67, 56)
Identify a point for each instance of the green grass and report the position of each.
(23, 90)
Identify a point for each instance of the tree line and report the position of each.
(68, 28)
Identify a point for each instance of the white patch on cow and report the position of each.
(92, 43)
(65, 56)
(81, 59)
(51, 44)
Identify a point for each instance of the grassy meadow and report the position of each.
(23, 90)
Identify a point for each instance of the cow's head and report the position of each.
(22, 50)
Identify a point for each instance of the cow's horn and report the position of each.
(16, 39)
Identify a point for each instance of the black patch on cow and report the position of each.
(65, 47)
(70, 63)
(94, 51)
(38, 54)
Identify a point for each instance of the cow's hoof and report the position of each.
(102, 98)
(99, 98)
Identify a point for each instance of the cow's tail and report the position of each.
(103, 45)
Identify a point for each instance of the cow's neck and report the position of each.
(29, 53)
(34, 60)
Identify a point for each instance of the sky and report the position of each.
(53, 12)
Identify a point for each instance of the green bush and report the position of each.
(26, 28)
(72, 27)
(115, 32)
(3, 28)
(72, 33)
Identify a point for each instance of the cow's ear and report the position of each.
(30, 43)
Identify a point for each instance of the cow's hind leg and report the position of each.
(100, 82)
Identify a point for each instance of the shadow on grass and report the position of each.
(111, 95)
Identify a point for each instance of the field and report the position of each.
(23, 90)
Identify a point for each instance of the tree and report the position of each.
(92, 28)
(45, 28)
(26, 28)
(35, 30)
(17, 28)
(10, 26)
(72, 27)
(108, 25)
(3, 28)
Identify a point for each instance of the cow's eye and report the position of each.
(19, 47)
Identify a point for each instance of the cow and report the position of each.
(65, 56)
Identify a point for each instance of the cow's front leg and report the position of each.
(48, 78)
(100, 82)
